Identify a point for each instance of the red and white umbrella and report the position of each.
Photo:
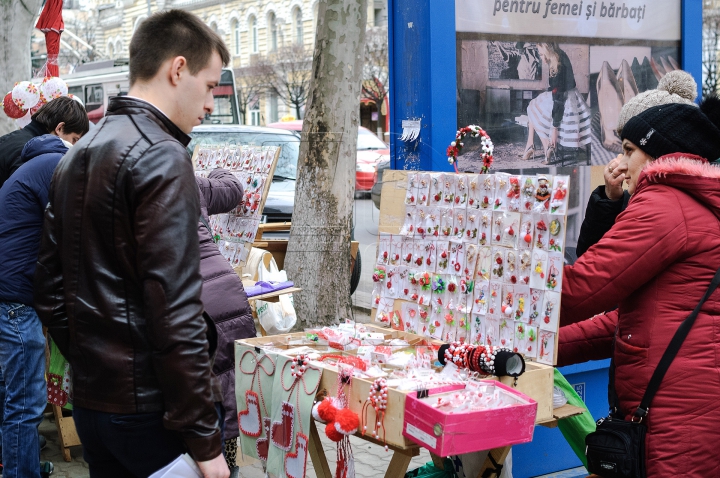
(52, 25)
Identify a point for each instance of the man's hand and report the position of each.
(614, 180)
(215, 468)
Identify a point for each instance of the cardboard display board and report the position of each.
(254, 167)
(533, 331)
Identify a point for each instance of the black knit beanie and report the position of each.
(674, 128)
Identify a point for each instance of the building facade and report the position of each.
(252, 29)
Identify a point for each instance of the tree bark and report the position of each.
(318, 256)
(17, 20)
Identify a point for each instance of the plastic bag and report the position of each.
(429, 470)
(576, 428)
(275, 317)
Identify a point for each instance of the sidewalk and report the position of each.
(77, 468)
(371, 461)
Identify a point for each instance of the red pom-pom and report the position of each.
(332, 433)
(11, 108)
(327, 410)
(347, 422)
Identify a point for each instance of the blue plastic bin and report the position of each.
(549, 452)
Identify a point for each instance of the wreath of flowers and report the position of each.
(455, 148)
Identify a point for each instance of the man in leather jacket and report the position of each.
(117, 281)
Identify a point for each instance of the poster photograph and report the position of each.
(547, 80)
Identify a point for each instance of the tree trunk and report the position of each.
(318, 256)
(17, 20)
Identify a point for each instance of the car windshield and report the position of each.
(290, 146)
(367, 140)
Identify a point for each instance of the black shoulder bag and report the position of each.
(616, 449)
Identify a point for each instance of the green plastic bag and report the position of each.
(576, 428)
(429, 470)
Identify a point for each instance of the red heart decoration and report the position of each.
(262, 446)
(282, 431)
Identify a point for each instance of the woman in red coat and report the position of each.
(656, 263)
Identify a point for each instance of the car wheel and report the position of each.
(355, 273)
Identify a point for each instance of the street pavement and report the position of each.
(370, 460)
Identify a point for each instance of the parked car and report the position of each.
(281, 197)
(370, 150)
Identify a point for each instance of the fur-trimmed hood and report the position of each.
(687, 172)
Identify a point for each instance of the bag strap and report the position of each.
(205, 223)
(672, 350)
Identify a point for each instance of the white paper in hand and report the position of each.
(181, 467)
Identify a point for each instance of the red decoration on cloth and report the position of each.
(11, 109)
(52, 25)
(262, 446)
(56, 394)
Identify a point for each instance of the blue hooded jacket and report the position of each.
(23, 198)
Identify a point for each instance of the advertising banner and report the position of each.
(547, 79)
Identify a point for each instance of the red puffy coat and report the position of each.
(656, 263)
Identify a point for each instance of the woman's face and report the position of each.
(542, 50)
(631, 164)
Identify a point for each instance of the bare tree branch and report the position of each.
(251, 82)
(375, 68)
(82, 24)
(711, 41)
(291, 73)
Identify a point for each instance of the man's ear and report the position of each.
(178, 67)
(59, 129)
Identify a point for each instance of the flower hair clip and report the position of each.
(438, 285)
(539, 267)
(549, 305)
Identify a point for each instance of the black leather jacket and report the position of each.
(117, 281)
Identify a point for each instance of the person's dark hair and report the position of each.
(170, 34)
(63, 110)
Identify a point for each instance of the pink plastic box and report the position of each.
(448, 434)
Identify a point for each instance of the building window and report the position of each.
(297, 17)
(255, 113)
(273, 116)
(118, 48)
(252, 26)
(110, 51)
(138, 21)
(314, 20)
(236, 36)
(273, 36)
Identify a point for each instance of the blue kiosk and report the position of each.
(460, 62)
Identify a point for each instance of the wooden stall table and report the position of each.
(536, 383)
(67, 434)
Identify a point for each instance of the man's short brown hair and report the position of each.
(170, 34)
(63, 110)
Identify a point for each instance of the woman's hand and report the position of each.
(614, 180)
